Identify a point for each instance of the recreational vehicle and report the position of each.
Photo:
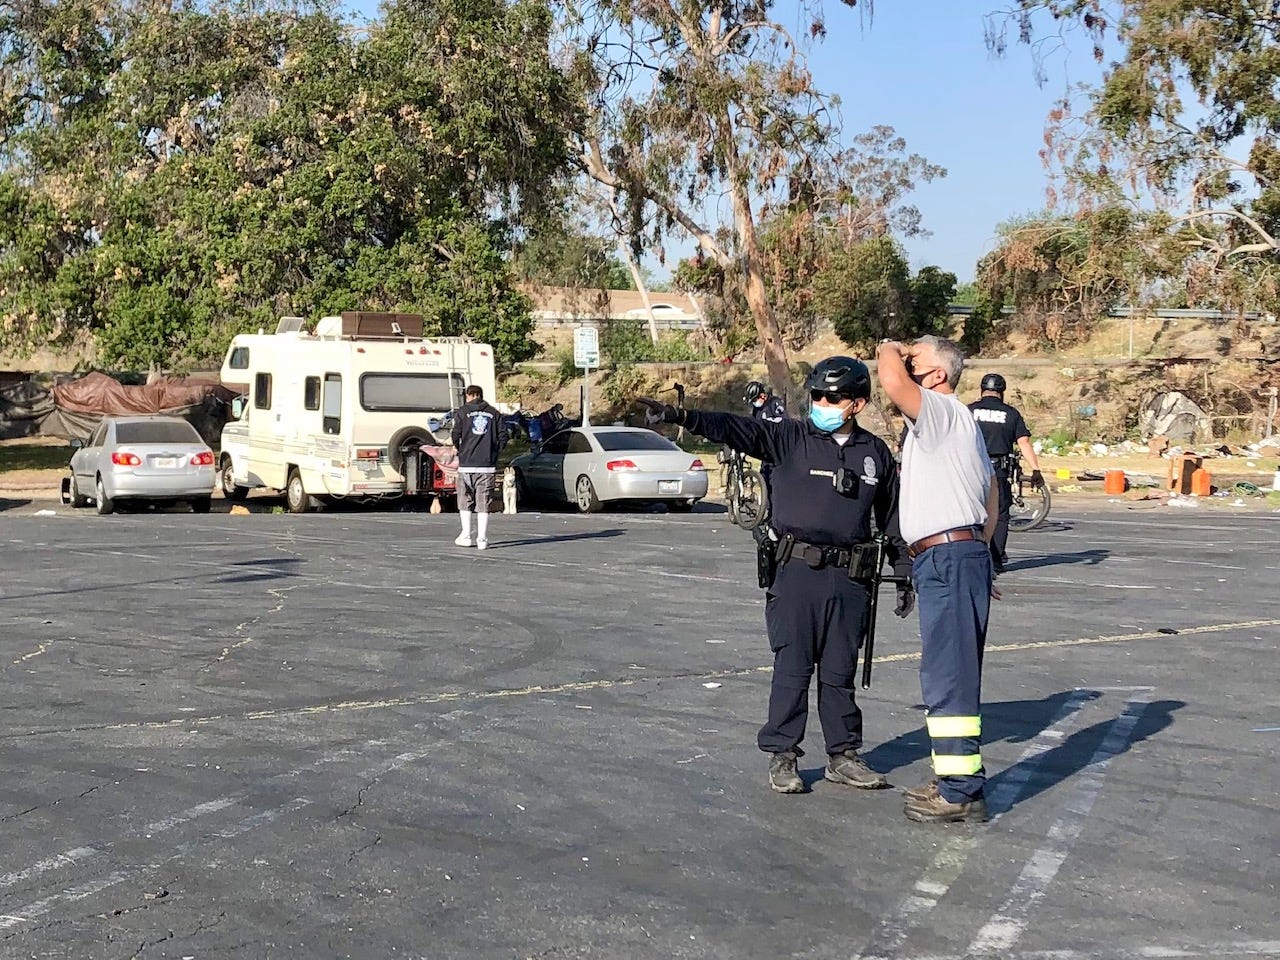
(344, 411)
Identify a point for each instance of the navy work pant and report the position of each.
(953, 591)
(815, 618)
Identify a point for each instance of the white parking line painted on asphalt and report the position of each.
(1184, 951)
(1005, 928)
(40, 907)
(938, 877)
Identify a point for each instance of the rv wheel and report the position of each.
(230, 489)
(295, 496)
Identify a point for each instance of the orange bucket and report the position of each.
(1201, 483)
(1113, 481)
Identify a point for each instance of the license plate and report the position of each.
(367, 466)
(164, 463)
(668, 486)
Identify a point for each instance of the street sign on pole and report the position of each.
(586, 347)
(586, 354)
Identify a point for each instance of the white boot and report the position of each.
(464, 538)
(482, 531)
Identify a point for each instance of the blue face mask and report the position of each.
(826, 419)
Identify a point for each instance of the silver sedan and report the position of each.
(590, 466)
(141, 458)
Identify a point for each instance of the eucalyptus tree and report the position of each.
(1182, 129)
(701, 115)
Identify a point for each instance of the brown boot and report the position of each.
(783, 775)
(937, 809)
(848, 768)
(922, 792)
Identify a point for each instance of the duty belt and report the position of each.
(816, 555)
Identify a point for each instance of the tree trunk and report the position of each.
(767, 330)
(638, 280)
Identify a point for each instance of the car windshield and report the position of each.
(160, 431)
(614, 440)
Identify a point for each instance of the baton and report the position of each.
(873, 604)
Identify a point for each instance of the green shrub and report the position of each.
(625, 341)
(676, 348)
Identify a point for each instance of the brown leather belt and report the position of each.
(946, 536)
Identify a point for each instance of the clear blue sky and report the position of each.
(922, 67)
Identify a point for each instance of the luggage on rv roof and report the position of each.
(365, 325)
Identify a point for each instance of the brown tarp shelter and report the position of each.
(81, 404)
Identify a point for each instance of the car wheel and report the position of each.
(295, 495)
(585, 496)
(680, 506)
(104, 503)
(230, 489)
(201, 504)
(77, 498)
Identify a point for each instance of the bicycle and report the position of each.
(744, 490)
(1030, 506)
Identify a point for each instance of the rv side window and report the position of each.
(262, 391)
(311, 393)
(332, 403)
(239, 359)
(410, 392)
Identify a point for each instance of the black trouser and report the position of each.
(815, 618)
(1000, 537)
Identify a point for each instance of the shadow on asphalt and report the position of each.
(1018, 721)
(1090, 557)
(7, 504)
(559, 538)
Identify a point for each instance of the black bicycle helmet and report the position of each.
(993, 382)
(754, 389)
(841, 375)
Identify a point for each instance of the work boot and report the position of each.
(938, 809)
(783, 776)
(848, 768)
(922, 792)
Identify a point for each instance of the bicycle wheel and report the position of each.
(1030, 506)
(753, 503)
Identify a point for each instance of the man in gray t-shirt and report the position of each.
(946, 497)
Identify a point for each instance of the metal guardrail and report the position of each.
(954, 310)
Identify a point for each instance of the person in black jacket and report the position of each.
(479, 433)
(762, 404)
(830, 478)
(1003, 429)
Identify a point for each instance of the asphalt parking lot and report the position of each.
(338, 735)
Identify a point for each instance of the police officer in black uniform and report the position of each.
(1002, 428)
(831, 477)
(762, 404)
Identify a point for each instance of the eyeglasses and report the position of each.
(831, 396)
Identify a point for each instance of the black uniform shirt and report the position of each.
(771, 410)
(1001, 425)
(804, 502)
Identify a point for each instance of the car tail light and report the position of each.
(697, 465)
(616, 465)
(202, 459)
(368, 453)
(126, 459)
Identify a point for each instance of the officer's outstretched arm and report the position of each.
(757, 438)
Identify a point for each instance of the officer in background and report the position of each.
(1002, 426)
(831, 477)
(762, 404)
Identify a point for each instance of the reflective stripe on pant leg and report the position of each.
(956, 745)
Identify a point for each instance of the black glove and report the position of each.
(659, 412)
(906, 600)
(1037, 479)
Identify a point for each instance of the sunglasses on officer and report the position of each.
(831, 396)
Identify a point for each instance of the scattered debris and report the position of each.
(1173, 415)
(46, 513)
(712, 685)
(240, 510)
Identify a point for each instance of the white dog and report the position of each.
(509, 490)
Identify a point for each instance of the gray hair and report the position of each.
(950, 357)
